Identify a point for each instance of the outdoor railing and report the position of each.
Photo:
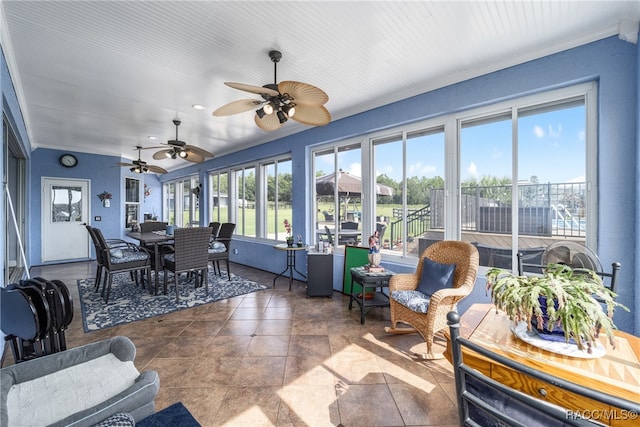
(547, 210)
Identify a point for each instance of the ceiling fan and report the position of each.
(140, 166)
(301, 102)
(180, 149)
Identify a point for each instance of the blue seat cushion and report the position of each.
(413, 300)
(435, 276)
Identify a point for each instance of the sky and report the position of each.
(551, 147)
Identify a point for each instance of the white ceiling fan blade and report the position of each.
(303, 93)
(162, 154)
(197, 150)
(155, 169)
(269, 122)
(314, 115)
(236, 107)
(253, 89)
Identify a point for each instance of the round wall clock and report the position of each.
(68, 160)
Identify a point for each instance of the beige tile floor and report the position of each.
(277, 358)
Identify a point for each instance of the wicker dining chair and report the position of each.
(189, 255)
(128, 258)
(220, 248)
(215, 227)
(427, 314)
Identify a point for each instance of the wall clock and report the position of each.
(68, 160)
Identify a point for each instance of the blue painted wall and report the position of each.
(612, 63)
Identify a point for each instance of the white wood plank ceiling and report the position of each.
(102, 76)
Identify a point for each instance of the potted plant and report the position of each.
(560, 301)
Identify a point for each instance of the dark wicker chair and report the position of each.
(220, 248)
(483, 401)
(149, 226)
(129, 258)
(215, 226)
(189, 256)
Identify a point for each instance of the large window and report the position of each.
(219, 197)
(409, 171)
(181, 202)
(276, 186)
(510, 177)
(339, 194)
(256, 197)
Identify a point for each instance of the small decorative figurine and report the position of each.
(374, 250)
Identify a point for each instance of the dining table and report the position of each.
(154, 239)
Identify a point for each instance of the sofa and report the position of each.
(77, 387)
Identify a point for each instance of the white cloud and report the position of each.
(555, 133)
(418, 169)
(538, 131)
(473, 170)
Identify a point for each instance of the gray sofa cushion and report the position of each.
(136, 398)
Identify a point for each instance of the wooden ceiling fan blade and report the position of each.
(155, 169)
(303, 93)
(194, 157)
(236, 107)
(197, 150)
(314, 115)
(269, 122)
(163, 154)
(252, 89)
(124, 164)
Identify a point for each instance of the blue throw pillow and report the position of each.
(435, 276)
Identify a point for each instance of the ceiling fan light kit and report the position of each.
(140, 166)
(180, 149)
(280, 102)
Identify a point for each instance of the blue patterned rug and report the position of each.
(128, 303)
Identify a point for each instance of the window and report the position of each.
(519, 174)
(181, 202)
(132, 201)
(219, 197)
(339, 191)
(409, 170)
(244, 198)
(256, 197)
(276, 186)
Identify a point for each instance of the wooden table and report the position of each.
(616, 373)
(155, 239)
(291, 261)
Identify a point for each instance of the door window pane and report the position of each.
(66, 203)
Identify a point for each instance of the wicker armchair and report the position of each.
(190, 255)
(466, 258)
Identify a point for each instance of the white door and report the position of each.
(65, 211)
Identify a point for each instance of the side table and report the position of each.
(365, 279)
(291, 262)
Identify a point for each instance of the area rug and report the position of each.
(128, 303)
(174, 415)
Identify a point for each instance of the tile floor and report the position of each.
(277, 358)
